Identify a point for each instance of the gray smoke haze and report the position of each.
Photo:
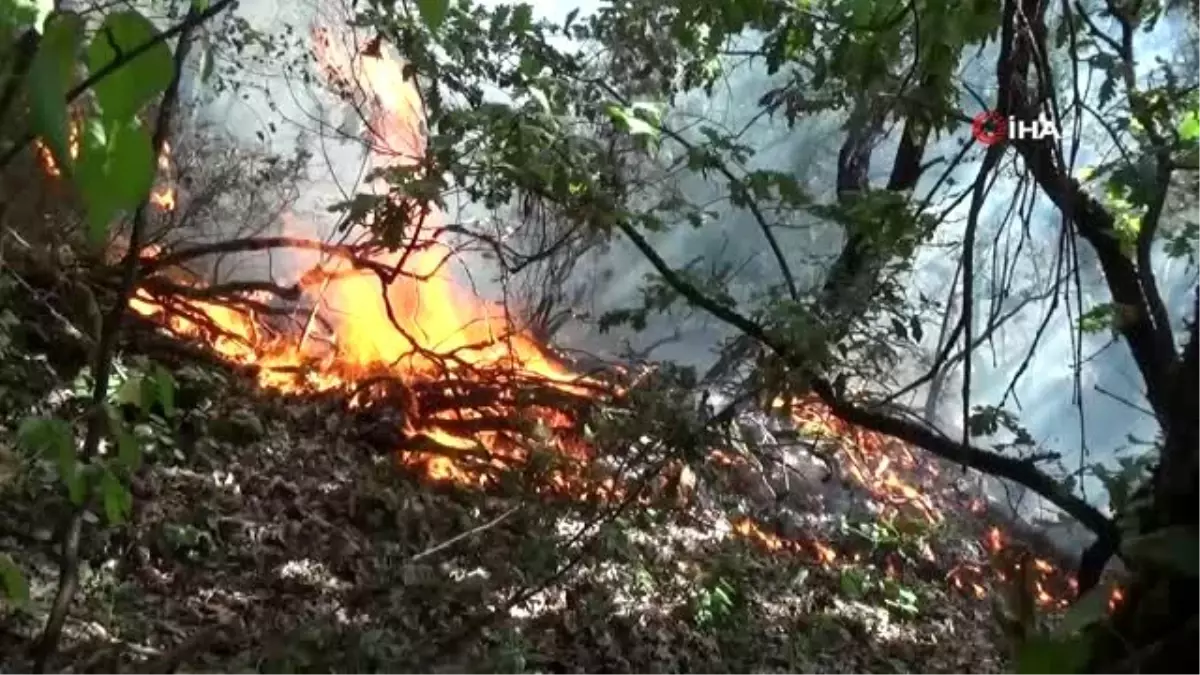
(809, 150)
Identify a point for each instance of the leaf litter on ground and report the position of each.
(272, 538)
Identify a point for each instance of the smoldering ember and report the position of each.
(638, 337)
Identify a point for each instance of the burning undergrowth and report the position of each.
(690, 517)
(462, 395)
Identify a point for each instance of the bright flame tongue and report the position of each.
(426, 331)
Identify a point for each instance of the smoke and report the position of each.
(1043, 398)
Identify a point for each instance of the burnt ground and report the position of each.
(268, 535)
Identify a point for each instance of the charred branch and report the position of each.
(232, 290)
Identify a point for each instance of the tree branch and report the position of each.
(1019, 471)
(1152, 347)
(102, 367)
(352, 254)
(192, 21)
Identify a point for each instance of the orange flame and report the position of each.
(162, 197)
(419, 328)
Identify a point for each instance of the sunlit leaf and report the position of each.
(625, 120)
(49, 79)
(116, 172)
(539, 96)
(124, 92)
(130, 392)
(1189, 127)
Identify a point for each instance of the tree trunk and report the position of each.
(1155, 629)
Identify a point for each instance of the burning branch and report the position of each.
(227, 291)
(356, 256)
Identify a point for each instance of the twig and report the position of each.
(1121, 399)
(190, 23)
(469, 533)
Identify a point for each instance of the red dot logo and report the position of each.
(989, 128)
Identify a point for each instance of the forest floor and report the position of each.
(267, 536)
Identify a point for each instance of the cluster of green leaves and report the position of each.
(863, 583)
(54, 440)
(101, 141)
(87, 89)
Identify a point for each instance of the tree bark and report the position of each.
(1156, 629)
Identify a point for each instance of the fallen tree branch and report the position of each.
(161, 286)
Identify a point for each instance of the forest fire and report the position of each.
(380, 317)
(469, 375)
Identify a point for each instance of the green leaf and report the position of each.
(116, 172)
(1108, 89)
(12, 582)
(1098, 318)
(624, 119)
(1173, 548)
(131, 393)
(54, 438)
(129, 451)
(1189, 127)
(116, 497)
(50, 77)
(124, 92)
(164, 389)
(48, 435)
(433, 12)
(522, 19)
